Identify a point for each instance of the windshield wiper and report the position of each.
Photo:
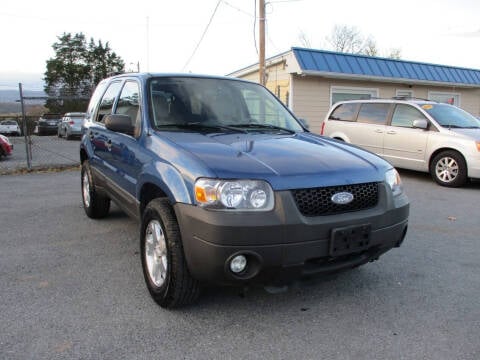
(263, 126)
(203, 126)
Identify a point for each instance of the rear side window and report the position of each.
(404, 115)
(373, 113)
(344, 112)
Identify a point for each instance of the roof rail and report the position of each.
(410, 98)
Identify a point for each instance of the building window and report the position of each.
(445, 97)
(404, 93)
(340, 93)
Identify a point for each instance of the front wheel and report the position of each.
(449, 168)
(95, 205)
(163, 261)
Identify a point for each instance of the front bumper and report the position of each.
(283, 245)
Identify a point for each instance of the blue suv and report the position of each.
(229, 187)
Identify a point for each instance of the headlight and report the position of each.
(393, 180)
(245, 195)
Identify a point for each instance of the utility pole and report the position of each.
(261, 40)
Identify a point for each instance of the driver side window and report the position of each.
(107, 102)
(404, 115)
(129, 104)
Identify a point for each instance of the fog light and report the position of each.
(238, 264)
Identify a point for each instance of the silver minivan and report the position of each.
(412, 134)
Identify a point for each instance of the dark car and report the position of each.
(6, 147)
(48, 124)
(229, 187)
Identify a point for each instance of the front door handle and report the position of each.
(108, 144)
(391, 132)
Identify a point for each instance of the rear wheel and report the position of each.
(95, 205)
(449, 168)
(163, 261)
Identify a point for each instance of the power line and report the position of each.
(238, 9)
(203, 35)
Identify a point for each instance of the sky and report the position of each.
(166, 36)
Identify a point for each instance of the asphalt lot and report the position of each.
(72, 288)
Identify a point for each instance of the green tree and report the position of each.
(75, 70)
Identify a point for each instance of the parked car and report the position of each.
(412, 134)
(229, 187)
(6, 147)
(48, 124)
(10, 127)
(71, 125)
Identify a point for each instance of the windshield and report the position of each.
(450, 116)
(204, 104)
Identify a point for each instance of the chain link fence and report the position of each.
(32, 151)
(49, 143)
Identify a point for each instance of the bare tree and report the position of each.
(349, 39)
(370, 47)
(395, 53)
(304, 40)
(346, 39)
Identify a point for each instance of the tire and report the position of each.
(163, 261)
(448, 168)
(96, 206)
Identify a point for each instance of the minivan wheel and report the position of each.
(163, 261)
(95, 205)
(449, 168)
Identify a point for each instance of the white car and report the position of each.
(412, 134)
(10, 127)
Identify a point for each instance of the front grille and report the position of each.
(318, 201)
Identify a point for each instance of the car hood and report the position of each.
(472, 133)
(286, 161)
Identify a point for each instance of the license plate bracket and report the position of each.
(350, 239)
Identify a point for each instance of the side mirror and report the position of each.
(304, 123)
(119, 123)
(420, 124)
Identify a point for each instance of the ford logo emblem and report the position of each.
(342, 198)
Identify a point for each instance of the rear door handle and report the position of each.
(108, 144)
(379, 131)
(91, 135)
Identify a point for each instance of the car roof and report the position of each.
(392, 101)
(75, 114)
(149, 75)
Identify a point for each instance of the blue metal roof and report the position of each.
(368, 66)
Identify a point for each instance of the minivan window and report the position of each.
(404, 115)
(344, 112)
(450, 116)
(373, 113)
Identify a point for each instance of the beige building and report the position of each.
(310, 81)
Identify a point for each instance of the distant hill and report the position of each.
(9, 95)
